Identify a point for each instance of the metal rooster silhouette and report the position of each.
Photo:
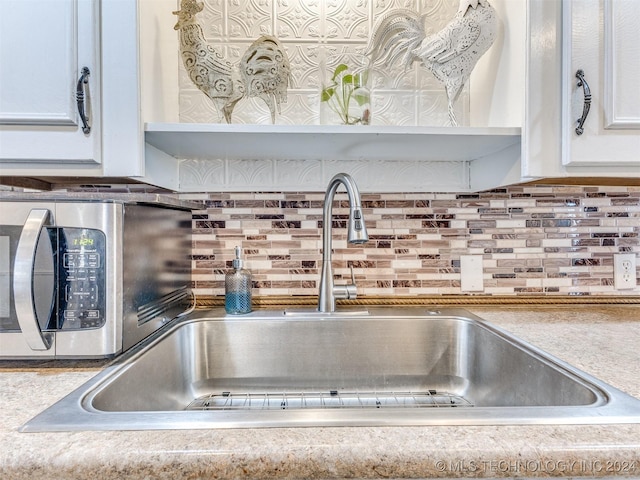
(451, 54)
(263, 71)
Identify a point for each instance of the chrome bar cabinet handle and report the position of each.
(82, 81)
(587, 101)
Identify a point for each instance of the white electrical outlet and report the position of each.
(471, 273)
(624, 271)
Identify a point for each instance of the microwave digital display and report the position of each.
(84, 241)
(81, 274)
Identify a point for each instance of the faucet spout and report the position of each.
(356, 233)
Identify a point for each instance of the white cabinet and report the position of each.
(562, 38)
(134, 79)
(602, 40)
(44, 47)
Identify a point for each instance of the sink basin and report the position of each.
(383, 367)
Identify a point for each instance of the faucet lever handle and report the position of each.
(348, 291)
(352, 289)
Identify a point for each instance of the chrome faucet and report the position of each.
(356, 233)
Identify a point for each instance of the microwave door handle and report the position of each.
(23, 281)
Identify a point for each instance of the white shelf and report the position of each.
(328, 142)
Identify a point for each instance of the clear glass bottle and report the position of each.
(237, 285)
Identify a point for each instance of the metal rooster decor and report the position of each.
(451, 54)
(263, 72)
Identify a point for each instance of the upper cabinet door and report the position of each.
(602, 40)
(45, 46)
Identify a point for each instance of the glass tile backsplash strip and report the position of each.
(540, 240)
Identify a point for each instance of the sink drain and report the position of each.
(329, 399)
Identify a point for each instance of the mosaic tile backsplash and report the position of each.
(534, 240)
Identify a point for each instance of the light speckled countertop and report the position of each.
(601, 340)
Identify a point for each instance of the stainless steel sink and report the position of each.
(384, 367)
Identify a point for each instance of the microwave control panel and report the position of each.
(82, 279)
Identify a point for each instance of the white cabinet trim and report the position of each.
(613, 151)
(620, 63)
(47, 136)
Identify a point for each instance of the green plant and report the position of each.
(346, 87)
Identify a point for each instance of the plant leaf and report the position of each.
(339, 69)
(327, 93)
(347, 79)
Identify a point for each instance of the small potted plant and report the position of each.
(348, 95)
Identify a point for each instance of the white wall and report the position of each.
(497, 83)
(159, 55)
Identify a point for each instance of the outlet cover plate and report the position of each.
(471, 273)
(624, 271)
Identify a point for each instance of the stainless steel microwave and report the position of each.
(89, 279)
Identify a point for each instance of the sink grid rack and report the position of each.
(329, 399)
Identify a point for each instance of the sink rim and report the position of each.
(75, 412)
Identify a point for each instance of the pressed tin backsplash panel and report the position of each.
(539, 240)
(315, 33)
